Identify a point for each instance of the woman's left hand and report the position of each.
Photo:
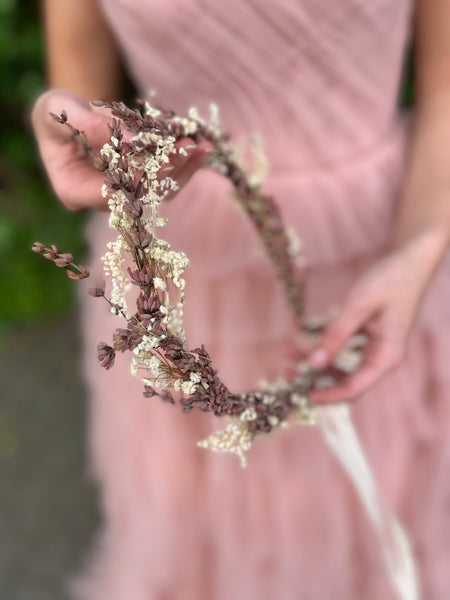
(384, 304)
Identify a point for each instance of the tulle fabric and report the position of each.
(186, 524)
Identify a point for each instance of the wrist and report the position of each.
(423, 249)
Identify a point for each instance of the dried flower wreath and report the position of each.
(137, 181)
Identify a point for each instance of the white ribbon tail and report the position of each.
(338, 430)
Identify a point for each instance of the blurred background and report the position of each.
(47, 506)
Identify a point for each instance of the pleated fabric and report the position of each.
(319, 81)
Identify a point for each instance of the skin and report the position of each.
(83, 65)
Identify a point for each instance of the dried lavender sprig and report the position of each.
(63, 260)
(84, 145)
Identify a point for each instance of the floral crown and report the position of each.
(137, 180)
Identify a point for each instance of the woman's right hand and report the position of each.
(75, 181)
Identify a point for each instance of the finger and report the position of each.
(351, 319)
(192, 158)
(379, 359)
(184, 164)
(79, 185)
(79, 114)
(76, 182)
(299, 346)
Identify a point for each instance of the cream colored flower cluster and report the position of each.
(113, 267)
(169, 265)
(234, 439)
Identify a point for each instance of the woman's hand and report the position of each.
(76, 182)
(383, 304)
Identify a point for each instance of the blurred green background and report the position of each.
(47, 506)
(29, 287)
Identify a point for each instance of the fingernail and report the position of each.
(318, 358)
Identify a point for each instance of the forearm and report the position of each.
(425, 199)
(424, 209)
(81, 53)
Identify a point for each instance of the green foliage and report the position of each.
(407, 93)
(30, 287)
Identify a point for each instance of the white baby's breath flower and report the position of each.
(295, 244)
(110, 154)
(260, 163)
(189, 125)
(180, 283)
(268, 399)
(195, 377)
(159, 283)
(249, 414)
(134, 367)
(193, 114)
(188, 387)
(113, 262)
(214, 119)
(150, 110)
(154, 365)
(149, 342)
(235, 438)
(162, 384)
(348, 360)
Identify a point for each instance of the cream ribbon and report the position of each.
(337, 427)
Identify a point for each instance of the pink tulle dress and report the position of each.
(319, 81)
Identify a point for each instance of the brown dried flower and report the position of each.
(106, 355)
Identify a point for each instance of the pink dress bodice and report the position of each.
(318, 79)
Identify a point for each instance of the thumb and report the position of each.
(349, 320)
(80, 114)
(75, 181)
